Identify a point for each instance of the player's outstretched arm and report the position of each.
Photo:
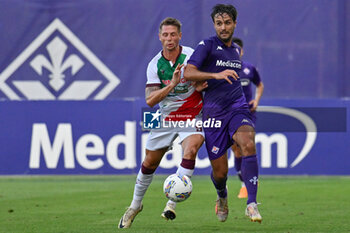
(259, 92)
(193, 74)
(154, 94)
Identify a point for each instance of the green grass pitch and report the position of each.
(96, 203)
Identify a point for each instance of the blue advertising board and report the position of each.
(106, 137)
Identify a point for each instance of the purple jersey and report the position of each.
(248, 75)
(212, 55)
(222, 101)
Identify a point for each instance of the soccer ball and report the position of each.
(177, 188)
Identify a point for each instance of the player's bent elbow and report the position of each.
(150, 103)
(186, 76)
(188, 73)
(261, 85)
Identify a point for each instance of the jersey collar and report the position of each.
(180, 51)
(222, 43)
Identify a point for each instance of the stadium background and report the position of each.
(300, 48)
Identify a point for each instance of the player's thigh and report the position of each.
(220, 166)
(191, 144)
(245, 138)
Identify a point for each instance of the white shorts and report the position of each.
(158, 139)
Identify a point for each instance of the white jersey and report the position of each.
(184, 102)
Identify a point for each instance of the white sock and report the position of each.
(141, 186)
(181, 171)
(184, 171)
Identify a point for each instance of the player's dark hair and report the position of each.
(222, 8)
(238, 41)
(170, 21)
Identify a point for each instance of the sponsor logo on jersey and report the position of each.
(232, 64)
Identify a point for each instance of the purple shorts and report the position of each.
(218, 140)
(253, 116)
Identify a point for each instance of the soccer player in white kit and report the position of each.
(178, 101)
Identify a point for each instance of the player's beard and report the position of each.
(226, 40)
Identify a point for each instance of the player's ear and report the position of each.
(234, 24)
(180, 35)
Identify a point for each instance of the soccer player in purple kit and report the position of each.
(247, 75)
(216, 60)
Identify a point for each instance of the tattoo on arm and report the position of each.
(149, 90)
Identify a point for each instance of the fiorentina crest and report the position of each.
(57, 66)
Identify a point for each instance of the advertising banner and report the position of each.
(107, 137)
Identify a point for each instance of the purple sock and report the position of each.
(250, 176)
(238, 163)
(220, 186)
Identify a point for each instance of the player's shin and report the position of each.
(250, 175)
(143, 180)
(238, 165)
(220, 185)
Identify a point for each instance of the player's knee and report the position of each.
(150, 165)
(190, 153)
(221, 175)
(248, 147)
